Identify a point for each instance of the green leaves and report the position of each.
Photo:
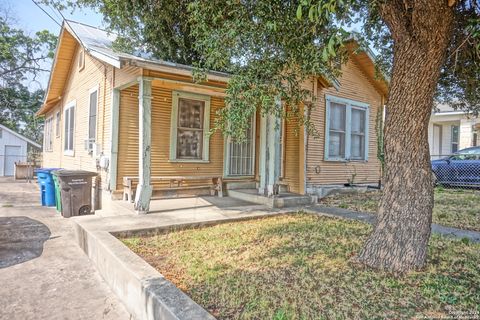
(22, 55)
(22, 58)
(299, 12)
(270, 50)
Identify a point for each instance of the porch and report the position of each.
(161, 128)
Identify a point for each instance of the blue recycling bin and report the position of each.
(47, 186)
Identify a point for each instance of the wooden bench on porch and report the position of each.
(176, 183)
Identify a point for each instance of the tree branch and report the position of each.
(24, 66)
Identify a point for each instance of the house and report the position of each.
(14, 148)
(450, 130)
(124, 115)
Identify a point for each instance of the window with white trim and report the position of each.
(346, 132)
(455, 138)
(190, 124)
(57, 124)
(69, 128)
(48, 138)
(92, 118)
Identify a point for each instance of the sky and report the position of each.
(27, 16)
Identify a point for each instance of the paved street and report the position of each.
(44, 274)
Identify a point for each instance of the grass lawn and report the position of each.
(298, 266)
(453, 207)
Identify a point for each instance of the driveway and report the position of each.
(44, 274)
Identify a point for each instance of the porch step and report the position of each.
(282, 200)
(235, 185)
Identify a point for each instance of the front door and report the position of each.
(12, 155)
(240, 156)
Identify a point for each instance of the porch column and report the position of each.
(269, 165)
(115, 121)
(144, 189)
(465, 133)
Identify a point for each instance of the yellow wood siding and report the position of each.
(161, 117)
(77, 87)
(291, 155)
(127, 163)
(51, 159)
(355, 86)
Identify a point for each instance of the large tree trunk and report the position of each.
(421, 31)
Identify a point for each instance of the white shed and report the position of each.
(13, 148)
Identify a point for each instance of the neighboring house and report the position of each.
(123, 115)
(13, 148)
(450, 130)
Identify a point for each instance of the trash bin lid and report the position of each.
(70, 173)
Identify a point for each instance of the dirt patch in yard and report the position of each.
(298, 267)
(453, 207)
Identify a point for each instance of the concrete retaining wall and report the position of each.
(143, 290)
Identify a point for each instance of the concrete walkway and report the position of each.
(44, 274)
(370, 218)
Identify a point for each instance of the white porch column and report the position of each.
(269, 165)
(144, 189)
(465, 133)
(114, 124)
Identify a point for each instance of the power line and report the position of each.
(54, 12)
(68, 23)
(46, 13)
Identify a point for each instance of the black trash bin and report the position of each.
(75, 191)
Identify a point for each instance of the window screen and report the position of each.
(92, 119)
(337, 130)
(455, 138)
(357, 144)
(190, 128)
(69, 128)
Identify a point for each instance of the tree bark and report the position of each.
(421, 31)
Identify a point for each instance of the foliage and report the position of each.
(460, 76)
(18, 110)
(267, 50)
(22, 55)
(269, 268)
(270, 47)
(22, 58)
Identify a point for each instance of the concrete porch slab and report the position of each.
(282, 200)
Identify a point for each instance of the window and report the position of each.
(92, 118)
(1, 133)
(189, 127)
(57, 124)
(346, 129)
(81, 60)
(48, 137)
(455, 136)
(69, 126)
(240, 156)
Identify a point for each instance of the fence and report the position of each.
(457, 170)
(18, 165)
